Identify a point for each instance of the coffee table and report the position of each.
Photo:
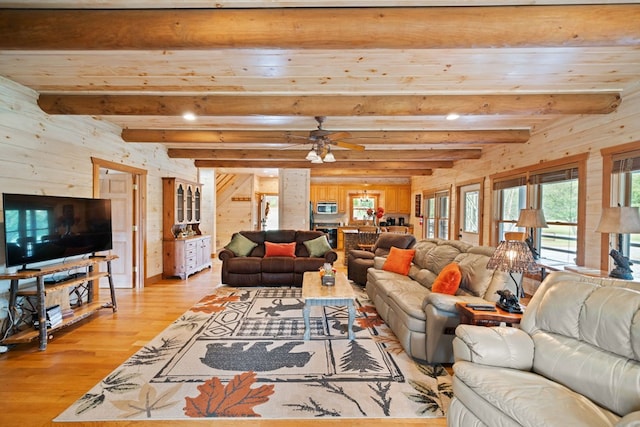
(314, 294)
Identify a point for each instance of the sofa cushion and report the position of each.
(448, 280)
(318, 246)
(536, 401)
(399, 260)
(280, 249)
(241, 245)
(475, 279)
(441, 255)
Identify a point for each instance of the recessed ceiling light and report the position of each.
(189, 116)
(453, 116)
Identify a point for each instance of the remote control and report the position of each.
(480, 306)
(484, 308)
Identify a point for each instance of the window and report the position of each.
(437, 215)
(625, 181)
(360, 204)
(558, 197)
(471, 207)
(555, 188)
(510, 197)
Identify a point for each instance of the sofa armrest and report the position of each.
(378, 262)
(495, 346)
(632, 419)
(331, 256)
(446, 302)
(225, 254)
(359, 253)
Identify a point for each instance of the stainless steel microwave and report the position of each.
(327, 208)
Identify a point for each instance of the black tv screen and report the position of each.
(43, 228)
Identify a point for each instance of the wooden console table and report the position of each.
(80, 284)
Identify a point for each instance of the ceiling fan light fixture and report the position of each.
(329, 158)
(317, 160)
(312, 155)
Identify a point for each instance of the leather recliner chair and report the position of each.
(360, 260)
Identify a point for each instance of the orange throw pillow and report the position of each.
(280, 249)
(448, 280)
(399, 260)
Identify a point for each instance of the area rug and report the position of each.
(241, 353)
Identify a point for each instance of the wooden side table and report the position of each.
(470, 316)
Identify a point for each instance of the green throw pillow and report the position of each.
(318, 246)
(241, 245)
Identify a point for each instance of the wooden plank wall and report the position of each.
(43, 154)
(564, 137)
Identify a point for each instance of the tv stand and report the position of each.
(80, 285)
(24, 268)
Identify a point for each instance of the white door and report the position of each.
(119, 188)
(469, 213)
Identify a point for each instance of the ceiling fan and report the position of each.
(322, 141)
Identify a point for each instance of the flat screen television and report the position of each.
(43, 228)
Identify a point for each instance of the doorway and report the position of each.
(268, 212)
(121, 184)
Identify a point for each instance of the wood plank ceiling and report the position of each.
(256, 73)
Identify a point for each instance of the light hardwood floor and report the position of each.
(36, 386)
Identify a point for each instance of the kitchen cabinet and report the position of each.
(328, 193)
(397, 199)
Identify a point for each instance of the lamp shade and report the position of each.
(512, 256)
(619, 219)
(531, 218)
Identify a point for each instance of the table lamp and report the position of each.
(620, 220)
(512, 256)
(531, 218)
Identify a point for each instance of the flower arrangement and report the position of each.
(379, 213)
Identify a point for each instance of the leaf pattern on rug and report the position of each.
(391, 343)
(214, 303)
(315, 407)
(189, 322)
(431, 400)
(384, 399)
(118, 382)
(236, 399)
(150, 355)
(148, 401)
(369, 322)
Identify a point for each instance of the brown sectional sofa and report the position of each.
(256, 270)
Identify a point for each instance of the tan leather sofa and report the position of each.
(425, 321)
(574, 361)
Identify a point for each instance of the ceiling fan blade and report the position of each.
(349, 145)
(337, 135)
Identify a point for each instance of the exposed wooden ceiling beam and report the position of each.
(330, 105)
(340, 172)
(341, 28)
(356, 156)
(343, 165)
(498, 136)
